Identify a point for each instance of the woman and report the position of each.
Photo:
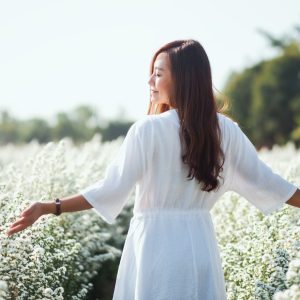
(182, 156)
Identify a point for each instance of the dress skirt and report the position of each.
(170, 255)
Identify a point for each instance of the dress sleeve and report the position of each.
(108, 196)
(252, 178)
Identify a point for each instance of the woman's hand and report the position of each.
(28, 217)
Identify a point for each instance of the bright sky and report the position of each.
(58, 54)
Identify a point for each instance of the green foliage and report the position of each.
(80, 125)
(265, 98)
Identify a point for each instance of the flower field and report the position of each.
(63, 257)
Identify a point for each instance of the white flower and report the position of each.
(38, 251)
(3, 285)
(47, 292)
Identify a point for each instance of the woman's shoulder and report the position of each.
(143, 125)
(227, 124)
(226, 120)
(229, 128)
(143, 122)
(147, 122)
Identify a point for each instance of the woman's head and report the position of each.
(161, 81)
(185, 83)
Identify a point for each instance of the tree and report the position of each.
(265, 97)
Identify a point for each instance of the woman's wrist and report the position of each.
(48, 207)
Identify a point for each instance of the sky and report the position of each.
(56, 55)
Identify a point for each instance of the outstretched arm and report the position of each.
(68, 204)
(37, 209)
(295, 199)
(255, 180)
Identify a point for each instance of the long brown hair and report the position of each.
(192, 95)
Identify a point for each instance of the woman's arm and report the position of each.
(295, 199)
(69, 204)
(38, 208)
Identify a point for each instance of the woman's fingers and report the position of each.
(28, 217)
(18, 225)
(16, 229)
(20, 221)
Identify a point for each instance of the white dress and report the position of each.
(171, 251)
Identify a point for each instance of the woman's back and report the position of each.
(165, 184)
(170, 250)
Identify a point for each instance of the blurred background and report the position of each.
(76, 68)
